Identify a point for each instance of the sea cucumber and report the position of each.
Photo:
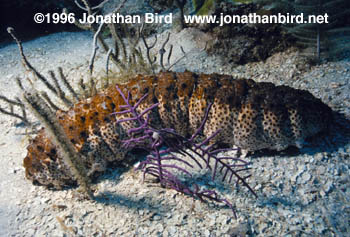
(251, 116)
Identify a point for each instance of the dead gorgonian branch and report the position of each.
(126, 52)
(11, 112)
(45, 109)
(60, 139)
(95, 30)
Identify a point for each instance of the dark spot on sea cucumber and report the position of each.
(106, 119)
(40, 148)
(83, 134)
(53, 151)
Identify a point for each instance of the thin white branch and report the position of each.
(94, 48)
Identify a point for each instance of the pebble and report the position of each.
(159, 227)
(172, 230)
(143, 230)
(31, 232)
(328, 186)
(305, 177)
(156, 217)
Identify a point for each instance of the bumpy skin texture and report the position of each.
(252, 116)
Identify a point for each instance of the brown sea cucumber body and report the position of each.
(252, 116)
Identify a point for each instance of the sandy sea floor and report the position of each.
(302, 193)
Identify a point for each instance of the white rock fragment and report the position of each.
(156, 217)
(143, 230)
(296, 175)
(328, 186)
(172, 230)
(305, 177)
(159, 227)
